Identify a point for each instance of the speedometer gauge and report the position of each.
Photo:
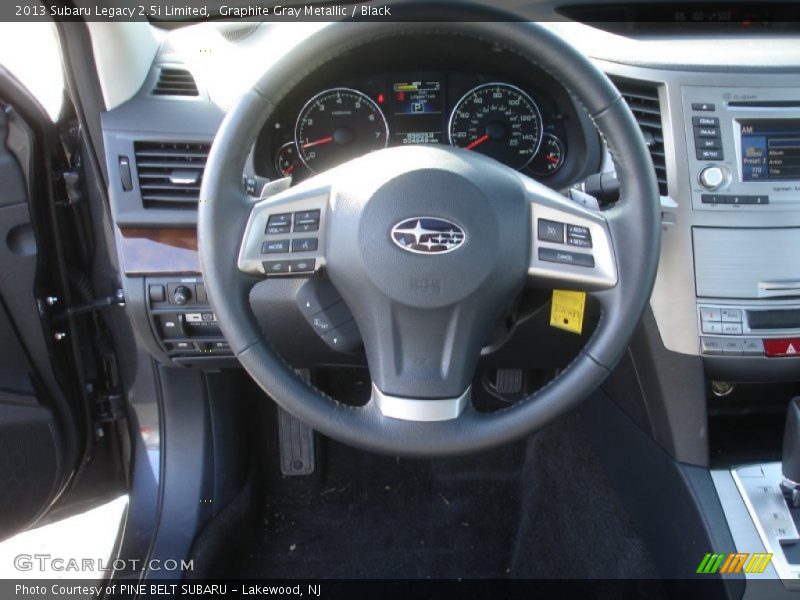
(337, 125)
(498, 120)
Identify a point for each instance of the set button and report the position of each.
(328, 315)
(708, 142)
(579, 236)
(330, 318)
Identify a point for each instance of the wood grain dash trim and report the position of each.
(159, 251)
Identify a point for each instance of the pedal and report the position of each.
(296, 443)
(508, 381)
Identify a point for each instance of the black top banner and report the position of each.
(171, 13)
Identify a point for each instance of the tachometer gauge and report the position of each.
(499, 120)
(550, 156)
(337, 125)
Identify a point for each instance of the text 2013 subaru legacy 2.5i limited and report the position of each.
(426, 299)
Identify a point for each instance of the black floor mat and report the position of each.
(537, 509)
(381, 517)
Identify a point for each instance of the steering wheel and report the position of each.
(425, 310)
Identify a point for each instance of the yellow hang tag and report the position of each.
(567, 310)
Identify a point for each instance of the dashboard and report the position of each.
(510, 119)
(724, 155)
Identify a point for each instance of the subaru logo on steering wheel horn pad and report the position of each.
(428, 235)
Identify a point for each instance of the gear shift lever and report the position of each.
(790, 464)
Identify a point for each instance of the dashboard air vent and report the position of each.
(642, 98)
(170, 173)
(175, 82)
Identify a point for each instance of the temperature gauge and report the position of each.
(550, 157)
(286, 159)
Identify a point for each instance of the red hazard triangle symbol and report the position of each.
(791, 349)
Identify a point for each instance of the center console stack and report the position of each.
(745, 156)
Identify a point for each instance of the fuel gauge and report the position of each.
(550, 157)
(286, 159)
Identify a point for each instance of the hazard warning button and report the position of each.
(785, 347)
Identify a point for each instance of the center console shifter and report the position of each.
(790, 463)
(771, 494)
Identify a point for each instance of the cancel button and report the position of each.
(566, 257)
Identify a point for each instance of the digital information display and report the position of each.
(417, 107)
(770, 150)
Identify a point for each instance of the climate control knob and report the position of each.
(182, 294)
(711, 177)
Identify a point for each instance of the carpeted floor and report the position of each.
(536, 509)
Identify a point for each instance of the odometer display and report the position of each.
(337, 125)
(498, 120)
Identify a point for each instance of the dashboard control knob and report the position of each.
(711, 177)
(182, 294)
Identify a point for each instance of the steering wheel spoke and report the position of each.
(285, 234)
(419, 409)
(571, 246)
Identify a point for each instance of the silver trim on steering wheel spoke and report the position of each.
(416, 409)
(285, 234)
(571, 246)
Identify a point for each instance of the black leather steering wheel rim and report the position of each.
(635, 220)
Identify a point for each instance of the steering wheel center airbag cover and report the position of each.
(404, 185)
(424, 317)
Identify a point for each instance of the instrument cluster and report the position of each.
(514, 123)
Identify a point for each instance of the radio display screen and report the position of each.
(770, 149)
